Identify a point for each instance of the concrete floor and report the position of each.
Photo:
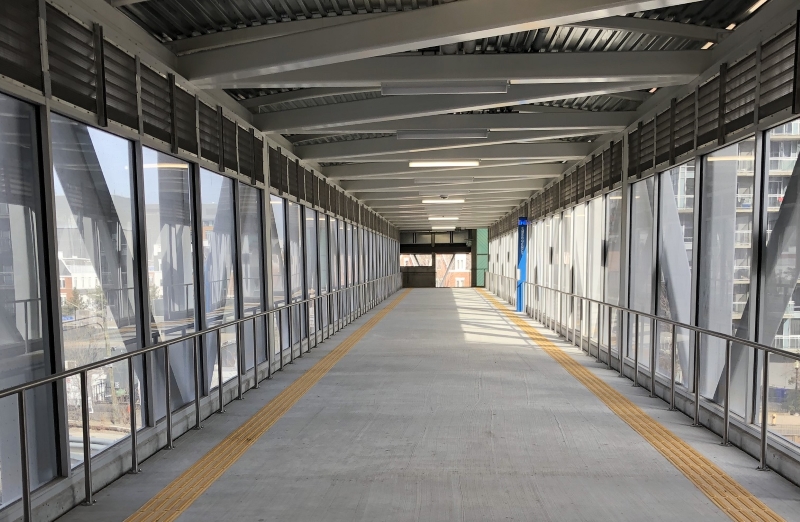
(444, 411)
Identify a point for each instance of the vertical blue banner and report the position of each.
(522, 261)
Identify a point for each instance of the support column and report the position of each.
(522, 261)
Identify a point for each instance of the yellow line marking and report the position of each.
(733, 499)
(174, 499)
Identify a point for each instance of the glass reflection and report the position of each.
(279, 280)
(252, 272)
(642, 263)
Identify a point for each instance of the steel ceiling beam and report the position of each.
(534, 151)
(300, 95)
(500, 122)
(408, 31)
(370, 197)
(535, 170)
(298, 121)
(480, 185)
(347, 150)
(656, 28)
(518, 68)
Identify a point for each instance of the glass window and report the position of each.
(579, 257)
(295, 224)
(219, 283)
(279, 280)
(311, 266)
(350, 255)
(642, 263)
(676, 231)
(780, 298)
(596, 220)
(250, 235)
(93, 181)
(170, 261)
(22, 346)
(324, 250)
(726, 224)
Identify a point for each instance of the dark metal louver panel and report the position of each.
(684, 125)
(229, 144)
(708, 112)
(291, 168)
(633, 152)
(663, 136)
(301, 183)
(186, 117)
(311, 187)
(648, 146)
(606, 167)
(209, 133)
(245, 153)
(616, 163)
(322, 194)
(19, 49)
(156, 110)
(597, 174)
(777, 70)
(258, 154)
(740, 94)
(73, 71)
(276, 174)
(580, 188)
(120, 78)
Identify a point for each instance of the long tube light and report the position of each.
(443, 218)
(446, 163)
(444, 87)
(443, 228)
(443, 134)
(441, 201)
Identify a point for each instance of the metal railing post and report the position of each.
(635, 350)
(653, 346)
(87, 441)
(608, 326)
(589, 329)
(620, 347)
(727, 411)
(762, 465)
(239, 360)
(696, 379)
(168, 398)
(255, 356)
(219, 371)
(672, 369)
(196, 375)
(132, 403)
(25, 470)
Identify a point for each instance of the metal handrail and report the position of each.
(554, 318)
(358, 298)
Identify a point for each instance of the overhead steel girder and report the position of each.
(536, 170)
(369, 197)
(657, 28)
(500, 122)
(401, 107)
(517, 151)
(347, 150)
(408, 31)
(518, 68)
(301, 94)
(380, 185)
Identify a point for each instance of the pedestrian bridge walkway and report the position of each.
(439, 405)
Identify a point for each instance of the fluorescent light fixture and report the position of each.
(654, 89)
(446, 163)
(444, 87)
(707, 45)
(443, 228)
(443, 134)
(731, 158)
(443, 218)
(183, 166)
(755, 6)
(441, 201)
(731, 27)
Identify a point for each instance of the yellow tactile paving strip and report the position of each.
(174, 499)
(721, 489)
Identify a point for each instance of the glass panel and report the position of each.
(171, 272)
(93, 184)
(24, 355)
(251, 234)
(642, 263)
(216, 196)
(676, 206)
(598, 220)
(780, 296)
(726, 225)
(279, 281)
(566, 265)
(295, 223)
(416, 260)
(311, 267)
(333, 238)
(350, 256)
